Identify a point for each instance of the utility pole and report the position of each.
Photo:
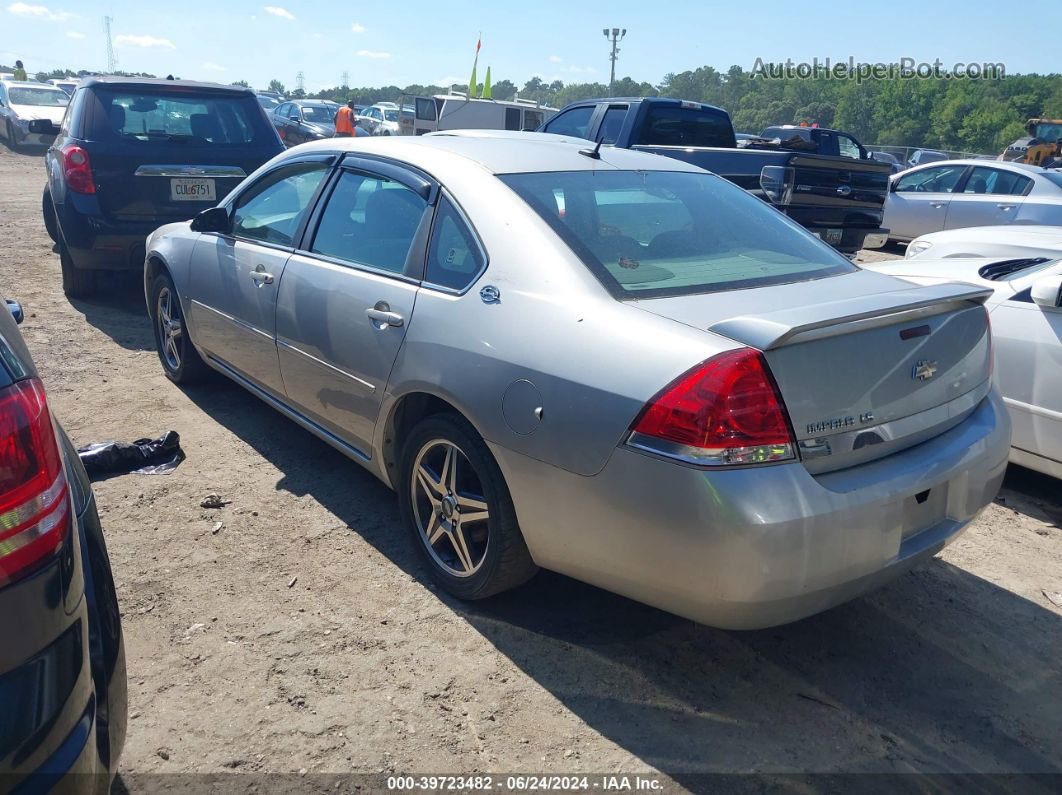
(615, 36)
(112, 62)
(346, 80)
(300, 81)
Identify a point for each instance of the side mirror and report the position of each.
(42, 127)
(1047, 291)
(16, 310)
(216, 219)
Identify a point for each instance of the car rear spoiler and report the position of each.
(816, 321)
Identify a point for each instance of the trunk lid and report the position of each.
(867, 365)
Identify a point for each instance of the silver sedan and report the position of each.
(960, 193)
(597, 361)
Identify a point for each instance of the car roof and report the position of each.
(1003, 164)
(503, 152)
(29, 84)
(160, 82)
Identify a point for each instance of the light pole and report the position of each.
(615, 36)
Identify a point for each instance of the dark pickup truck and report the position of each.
(840, 199)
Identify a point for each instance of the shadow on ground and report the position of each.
(118, 310)
(941, 671)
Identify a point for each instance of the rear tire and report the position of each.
(77, 282)
(470, 558)
(180, 360)
(48, 210)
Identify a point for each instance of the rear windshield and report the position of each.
(201, 119)
(54, 97)
(646, 234)
(1054, 176)
(674, 125)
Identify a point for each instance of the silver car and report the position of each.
(605, 363)
(959, 193)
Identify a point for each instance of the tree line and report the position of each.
(966, 115)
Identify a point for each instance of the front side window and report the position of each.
(270, 210)
(425, 108)
(454, 256)
(574, 122)
(941, 179)
(318, 114)
(655, 233)
(846, 147)
(369, 220)
(532, 119)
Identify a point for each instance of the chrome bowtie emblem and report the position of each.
(844, 190)
(924, 370)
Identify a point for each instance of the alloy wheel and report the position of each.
(168, 318)
(450, 508)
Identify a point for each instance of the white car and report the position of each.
(23, 102)
(956, 194)
(382, 118)
(989, 241)
(1026, 314)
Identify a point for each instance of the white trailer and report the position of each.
(459, 112)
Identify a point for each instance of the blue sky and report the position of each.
(409, 41)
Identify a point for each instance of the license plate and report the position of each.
(186, 189)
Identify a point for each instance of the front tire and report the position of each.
(455, 503)
(180, 360)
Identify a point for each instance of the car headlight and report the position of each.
(916, 248)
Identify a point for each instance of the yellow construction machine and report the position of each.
(1041, 147)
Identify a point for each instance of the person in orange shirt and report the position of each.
(345, 121)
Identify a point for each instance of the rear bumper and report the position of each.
(99, 244)
(755, 547)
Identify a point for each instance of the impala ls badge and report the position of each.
(924, 370)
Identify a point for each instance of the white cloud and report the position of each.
(357, 27)
(277, 11)
(143, 41)
(73, 34)
(39, 12)
(210, 66)
(555, 59)
(579, 70)
(450, 81)
(372, 54)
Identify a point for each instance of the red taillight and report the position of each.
(988, 331)
(77, 169)
(726, 410)
(33, 496)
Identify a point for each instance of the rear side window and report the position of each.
(991, 180)
(201, 119)
(454, 256)
(270, 210)
(425, 109)
(369, 221)
(656, 233)
(674, 125)
(512, 118)
(612, 123)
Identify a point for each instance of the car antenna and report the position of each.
(593, 154)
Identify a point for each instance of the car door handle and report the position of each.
(382, 316)
(260, 276)
(1005, 206)
(937, 205)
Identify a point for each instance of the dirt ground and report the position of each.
(303, 636)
